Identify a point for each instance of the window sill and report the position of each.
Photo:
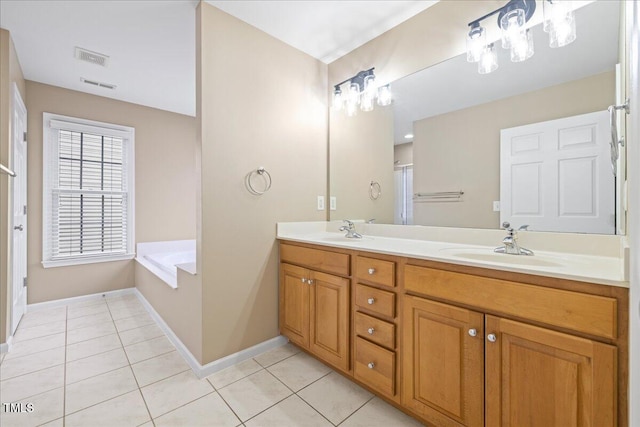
(89, 260)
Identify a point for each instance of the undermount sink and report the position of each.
(490, 256)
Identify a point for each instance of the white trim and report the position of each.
(66, 301)
(86, 260)
(5, 347)
(202, 371)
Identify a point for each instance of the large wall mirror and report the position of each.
(441, 140)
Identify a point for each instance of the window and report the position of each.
(88, 195)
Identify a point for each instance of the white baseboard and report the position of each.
(62, 302)
(6, 346)
(202, 371)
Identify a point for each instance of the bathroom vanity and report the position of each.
(454, 343)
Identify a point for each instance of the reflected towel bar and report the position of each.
(6, 170)
(439, 196)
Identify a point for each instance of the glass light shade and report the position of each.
(354, 94)
(338, 99)
(562, 33)
(522, 49)
(489, 60)
(384, 96)
(370, 88)
(352, 108)
(555, 11)
(512, 25)
(476, 41)
(367, 101)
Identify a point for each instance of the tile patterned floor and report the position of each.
(106, 363)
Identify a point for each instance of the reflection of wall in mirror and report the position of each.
(461, 150)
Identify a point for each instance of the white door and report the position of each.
(557, 176)
(19, 207)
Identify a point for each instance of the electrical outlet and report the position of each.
(320, 203)
(496, 206)
(332, 203)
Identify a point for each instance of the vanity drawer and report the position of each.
(375, 271)
(376, 300)
(375, 366)
(376, 330)
(591, 314)
(316, 259)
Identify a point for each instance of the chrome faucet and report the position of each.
(510, 242)
(351, 230)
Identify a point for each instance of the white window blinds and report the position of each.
(88, 197)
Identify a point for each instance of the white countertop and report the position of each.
(606, 270)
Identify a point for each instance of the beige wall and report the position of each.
(165, 147)
(10, 73)
(461, 150)
(403, 154)
(361, 151)
(261, 103)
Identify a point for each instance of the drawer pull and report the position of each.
(473, 332)
(303, 280)
(492, 338)
(371, 331)
(371, 365)
(372, 270)
(370, 301)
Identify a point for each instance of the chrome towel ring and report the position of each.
(266, 177)
(375, 190)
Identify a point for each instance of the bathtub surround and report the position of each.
(10, 73)
(165, 180)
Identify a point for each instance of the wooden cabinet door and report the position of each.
(329, 313)
(294, 304)
(443, 363)
(538, 377)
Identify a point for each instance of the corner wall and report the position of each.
(261, 103)
(10, 73)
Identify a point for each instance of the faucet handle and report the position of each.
(524, 227)
(371, 221)
(506, 225)
(349, 223)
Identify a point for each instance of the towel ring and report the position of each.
(265, 176)
(375, 190)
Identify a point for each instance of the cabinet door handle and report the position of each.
(372, 270)
(310, 281)
(492, 338)
(371, 331)
(473, 332)
(303, 280)
(371, 365)
(370, 301)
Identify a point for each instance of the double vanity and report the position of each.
(438, 324)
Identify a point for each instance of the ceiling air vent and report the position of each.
(92, 57)
(98, 84)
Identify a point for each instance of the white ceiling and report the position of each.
(151, 43)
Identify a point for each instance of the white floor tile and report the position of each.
(91, 366)
(30, 363)
(299, 371)
(89, 320)
(87, 303)
(36, 345)
(209, 410)
(335, 397)
(18, 388)
(140, 334)
(292, 411)
(41, 317)
(90, 332)
(98, 389)
(92, 347)
(378, 413)
(276, 355)
(234, 373)
(253, 394)
(73, 311)
(39, 331)
(148, 349)
(123, 312)
(55, 423)
(173, 392)
(122, 411)
(159, 368)
(137, 321)
(45, 407)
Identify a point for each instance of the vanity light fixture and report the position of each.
(363, 92)
(559, 22)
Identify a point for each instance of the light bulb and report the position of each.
(338, 99)
(489, 60)
(370, 88)
(512, 25)
(366, 103)
(384, 96)
(354, 94)
(522, 49)
(562, 33)
(352, 108)
(476, 41)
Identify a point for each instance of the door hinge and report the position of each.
(24, 282)
(24, 210)
(24, 136)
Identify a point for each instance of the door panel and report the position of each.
(294, 304)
